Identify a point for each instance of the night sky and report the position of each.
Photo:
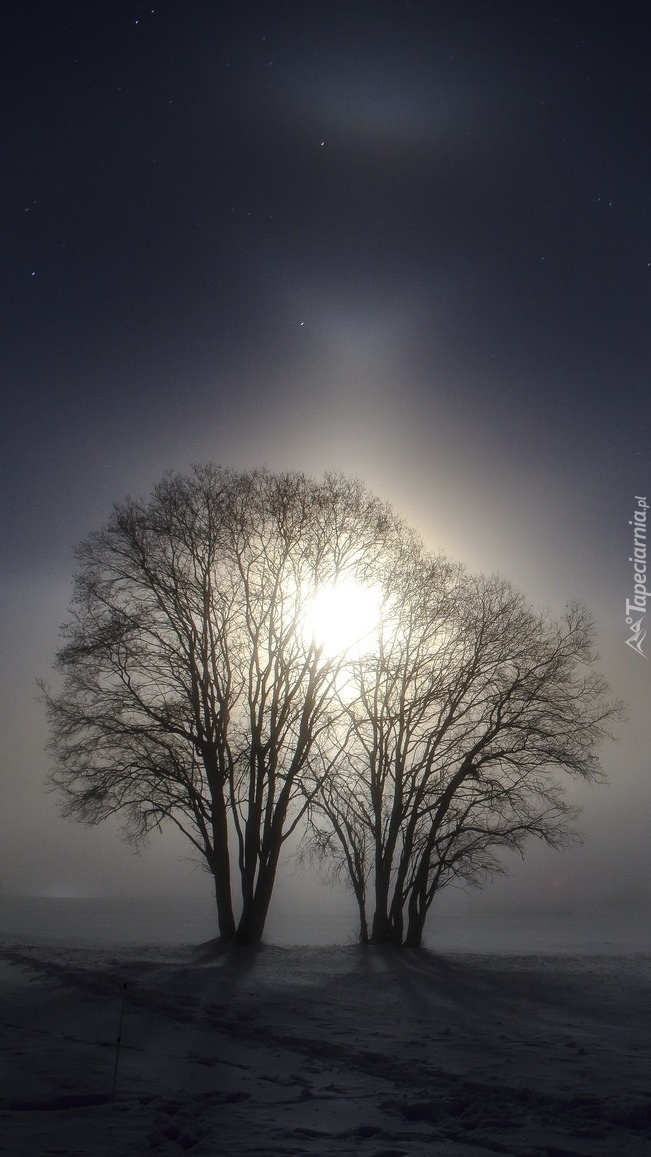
(407, 240)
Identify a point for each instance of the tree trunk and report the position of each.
(250, 929)
(363, 926)
(225, 916)
(415, 929)
(221, 869)
(417, 914)
(386, 929)
(381, 931)
(396, 919)
(360, 896)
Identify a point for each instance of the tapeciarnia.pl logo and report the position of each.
(637, 604)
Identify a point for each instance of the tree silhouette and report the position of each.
(458, 726)
(198, 691)
(193, 690)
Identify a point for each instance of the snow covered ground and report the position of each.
(323, 1050)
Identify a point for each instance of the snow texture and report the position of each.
(369, 1052)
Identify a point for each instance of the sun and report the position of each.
(343, 618)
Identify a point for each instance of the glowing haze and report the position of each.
(406, 241)
(343, 618)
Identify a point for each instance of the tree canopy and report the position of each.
(461, 721)
(205, 685)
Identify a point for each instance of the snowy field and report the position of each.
(323, 1050)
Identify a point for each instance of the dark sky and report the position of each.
(409, 240)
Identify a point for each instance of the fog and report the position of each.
(43, 854)
(409, 244)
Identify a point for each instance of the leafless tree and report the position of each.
(196, 693)
(458, 726)
(192, 691)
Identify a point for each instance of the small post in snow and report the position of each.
(118, 1042)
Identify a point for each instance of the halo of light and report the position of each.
(343, 617)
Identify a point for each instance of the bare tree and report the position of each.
(459, 724)
(193, 690)
(197, 692)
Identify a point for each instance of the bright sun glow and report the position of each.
(342, 618)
